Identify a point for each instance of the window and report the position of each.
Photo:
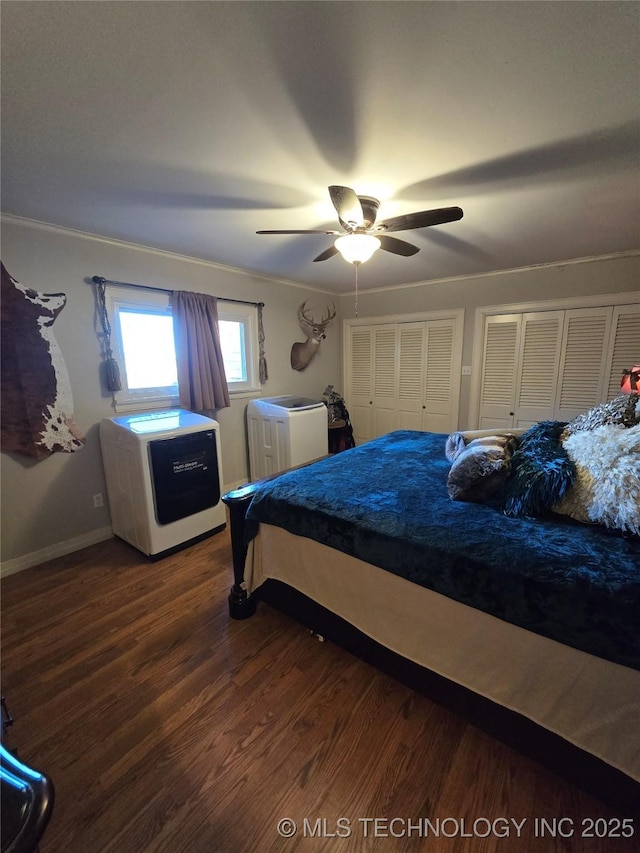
(143, 345)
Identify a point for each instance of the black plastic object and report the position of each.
(185, 475)
(27, 803)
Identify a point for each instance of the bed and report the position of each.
(527, 627)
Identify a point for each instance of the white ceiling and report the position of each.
(188, 126)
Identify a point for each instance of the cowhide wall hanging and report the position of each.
(37, 405)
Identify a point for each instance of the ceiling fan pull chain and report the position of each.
(356, 265)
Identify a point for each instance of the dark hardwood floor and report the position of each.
(166, 726)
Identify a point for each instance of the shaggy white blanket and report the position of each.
(607, 485)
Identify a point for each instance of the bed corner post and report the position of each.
(241, 605)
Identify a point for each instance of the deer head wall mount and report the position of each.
(302, 353)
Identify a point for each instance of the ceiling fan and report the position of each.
(362, 236)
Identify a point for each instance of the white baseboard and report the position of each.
(26, 561)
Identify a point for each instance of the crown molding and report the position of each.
(11, 218)
(631, 253)
(111, 241)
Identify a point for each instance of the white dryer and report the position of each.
(164, 476)
(284, 432)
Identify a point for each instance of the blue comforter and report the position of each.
(386, 503)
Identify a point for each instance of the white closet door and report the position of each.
(404, 375)
(554, 365)
(581, 376)
(411, 375)
(385, 378)
(439, 386)
(499, 370)
(537, 367)
(360, 392)
(624, 346)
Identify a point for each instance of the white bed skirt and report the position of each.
(590, 702)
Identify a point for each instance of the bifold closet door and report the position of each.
(553, 365)
(500, 368)
(426, 373)
(582, 375)
(359, 394)
(624, 345)
(372, 392)
(402, 376)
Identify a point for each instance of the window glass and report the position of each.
(148, 349)
(232, 334)
(239, 340)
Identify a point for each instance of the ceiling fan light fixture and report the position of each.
(357, 248)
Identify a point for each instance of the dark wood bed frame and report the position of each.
(571, 763)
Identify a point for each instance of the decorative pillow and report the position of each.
(607, 486)
(482, 467)
(454, 446)
(457, 441)
(541, 471)
(624, 410)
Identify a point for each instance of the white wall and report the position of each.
(47, 506)
(587, 277)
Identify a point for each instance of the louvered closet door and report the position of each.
(411, 375)
(537, 367)
(582, 379)
(385, 378)
(360, 392)
(439, 403)
(624, 346)
(499, 370)
(402, 376)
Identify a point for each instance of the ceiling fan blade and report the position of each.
(302, 231)
(348, 206)
(398, 247)
(328, 253)
(421, 219)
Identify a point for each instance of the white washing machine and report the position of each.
(284, 432)
(164, 477)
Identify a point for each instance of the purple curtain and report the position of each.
(202, 382)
